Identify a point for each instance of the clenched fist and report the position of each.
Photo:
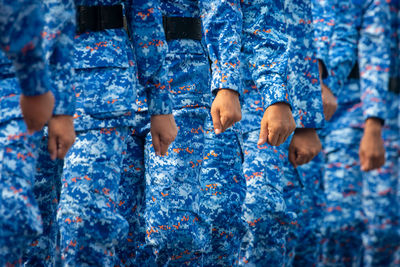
(276, 125)
(37, 110)
(163, 132)
(305, 145)
(225, 110)
(61, 136)
(372, 150)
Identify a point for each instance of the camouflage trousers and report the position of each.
(20, 220)
(265, 213)
(304, 196)
(131, 196)
(47, 187)
(223, 190)
(174, 228)
(380, 197)
(90, 224)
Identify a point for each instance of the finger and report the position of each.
(164, 148)
(156, 144)
(362, 160)
(262, 139)
(273, 138)
(367, 166)
(215, 115)
(62, 149)
(301, 160)
(226, 122)
(52, 147)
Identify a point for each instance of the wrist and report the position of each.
(373, 125)
(225, 91)
(304, 130)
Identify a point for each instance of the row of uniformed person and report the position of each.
(134, 191)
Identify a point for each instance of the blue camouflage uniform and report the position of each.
(24, 41)
(223, 188)
(175, 231)
(380, 193)
(146, 38)
(263, 68)
(106, 84)
(258, 29)
(58, 41)
(300, 188)
(359, 99)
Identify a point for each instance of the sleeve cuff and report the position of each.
(160, 101)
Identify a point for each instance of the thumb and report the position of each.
(215, 114)
(156, 143)
(263, 134)
(52, 147)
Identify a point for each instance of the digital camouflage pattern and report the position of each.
(303, 76)
(343, 179)
(51, 48)
(223, 189)
(175, 230)
(21, 26)
(304, 196)
(20, 216)
(111, 69)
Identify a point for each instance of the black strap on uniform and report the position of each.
(99, 18)
(355, 72)
(182, 28)
(394, 85)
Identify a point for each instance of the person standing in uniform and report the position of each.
(25, 79)
(352, 139)
(106, 83)
(58, 43)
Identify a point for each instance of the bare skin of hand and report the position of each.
(37, 110)
(61, 136)
(305, 145)
(372, 150)
(276, 125)
(329, 102)
(225, 110)
(163, 132)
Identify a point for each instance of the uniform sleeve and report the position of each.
(21, 25)
(374, 58)
(342, 53)
(303, 76)
(266, 50)
(58, 41)
(148, 37)
(323, 22)
(222, 25)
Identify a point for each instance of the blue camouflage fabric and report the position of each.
(223, 189)
(382, 237)
(110, 70)
(257, 28)
(380, 196)
(28, 72)
(174, 230)
(21, 26)
(304, 196)
(323, 21)
(58, 42)
(341, 55)
(360, 99)
(303, 66)
(20, 215)
(302, 73)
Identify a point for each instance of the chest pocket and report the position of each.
(105, 81)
